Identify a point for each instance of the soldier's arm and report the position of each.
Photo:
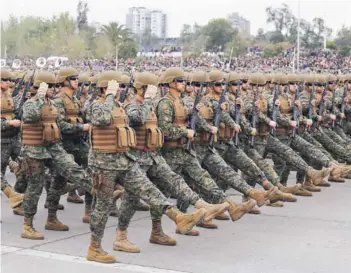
(101, 113)
(66, 127)
(32, 110)
(138, 113)
(165, 116)
(5, 124)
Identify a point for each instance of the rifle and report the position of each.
(296, 111)
(194, 116)
(23, 98)
(254, 117)
(274, 110)
(124, 93)
(18, 86)
(321, 106)
(237, 114)
(310, 109)
(343, 103)
(80, 90)
(217, 116)
(333, 108)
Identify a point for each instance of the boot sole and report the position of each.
(207, 227)
(124, 250)
(101, 261)
(222, 218)
(48, 228)
(162, 244)
(30, 238)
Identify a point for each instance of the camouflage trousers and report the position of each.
(10, 147)
(187, 165)
(80, 150)
(346, 143)
(219, 170)
(260, 161)
(336, 150)
(237, 159)
(280, 151)
(4, 182)
(169, 183)
(311, 154)
(136, 184)
(34, 169)
(342, 133)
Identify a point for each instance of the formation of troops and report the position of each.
(184, 135)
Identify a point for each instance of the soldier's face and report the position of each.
(50, 92)
(218, 86)
(189, 88)
(319, 88)
(12, 83)
(292, 88)
(5, 83)
(179, 84)
(348, 85)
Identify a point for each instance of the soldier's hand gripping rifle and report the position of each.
(254, 116)
(218, 113)
(24, 97)
(296, 111)
(194, 116)
(237, 113)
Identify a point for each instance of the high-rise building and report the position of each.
(139, 19)
(239, 22)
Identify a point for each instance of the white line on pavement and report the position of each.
(82, 260)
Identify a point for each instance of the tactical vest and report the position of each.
(71, 109)
(148, 135)
(286, 110)
(118, 137)
(45, 132)
(82, 99)
(262, 127)
(180, 119)
(7, 113)
(203, 137)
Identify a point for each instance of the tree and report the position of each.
(219, 32)
(82, 17)
(148, 40)
(282, 18)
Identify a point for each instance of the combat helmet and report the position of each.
(44, 76)
(257, 79)
(66, 72)
(200, 76)
(145, 78)
(5, 74)
(173, 73)
(83, 78)
(107, 76)
(216, 75)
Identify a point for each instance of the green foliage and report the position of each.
(219, 33)
(331, 45)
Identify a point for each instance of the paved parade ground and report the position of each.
(312, 236)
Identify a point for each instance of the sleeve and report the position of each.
(101, 113)
(138, 113)
(32, 110)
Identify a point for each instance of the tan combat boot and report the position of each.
(207, 224)
(18, 210)
(222, 217)
(185, 222)
(97, 254)
(324, 184)
(15, 198)
(289, 189)
(87, 214)
(28, 231)
(278, 204)
(308, 185)
(317, 176)
(255, 209)
(302, 191)
(277, 195)
(52, 223)
(260, 196)
(122, 244)
(159, 237)
(211, 210)
(337, 174)
(237, 211)
(74, 198)
(192, 232)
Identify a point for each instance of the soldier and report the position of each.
(265, 142)
(72, 126)
(345, 116)
(109, 158)
(10, 142)
(172, 115)
(40, 144)
(83, 88)
(149, 141)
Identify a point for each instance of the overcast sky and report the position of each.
(336, 13)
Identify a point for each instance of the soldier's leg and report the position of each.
(104, 182)
(15, 199)
(309, 138)
(331, 146)
(34, 169)
(280, 164)
(69, 169)
(337, 138)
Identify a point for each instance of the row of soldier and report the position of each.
(181, 135)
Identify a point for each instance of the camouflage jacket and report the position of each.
(101, 116)
(244, 123)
